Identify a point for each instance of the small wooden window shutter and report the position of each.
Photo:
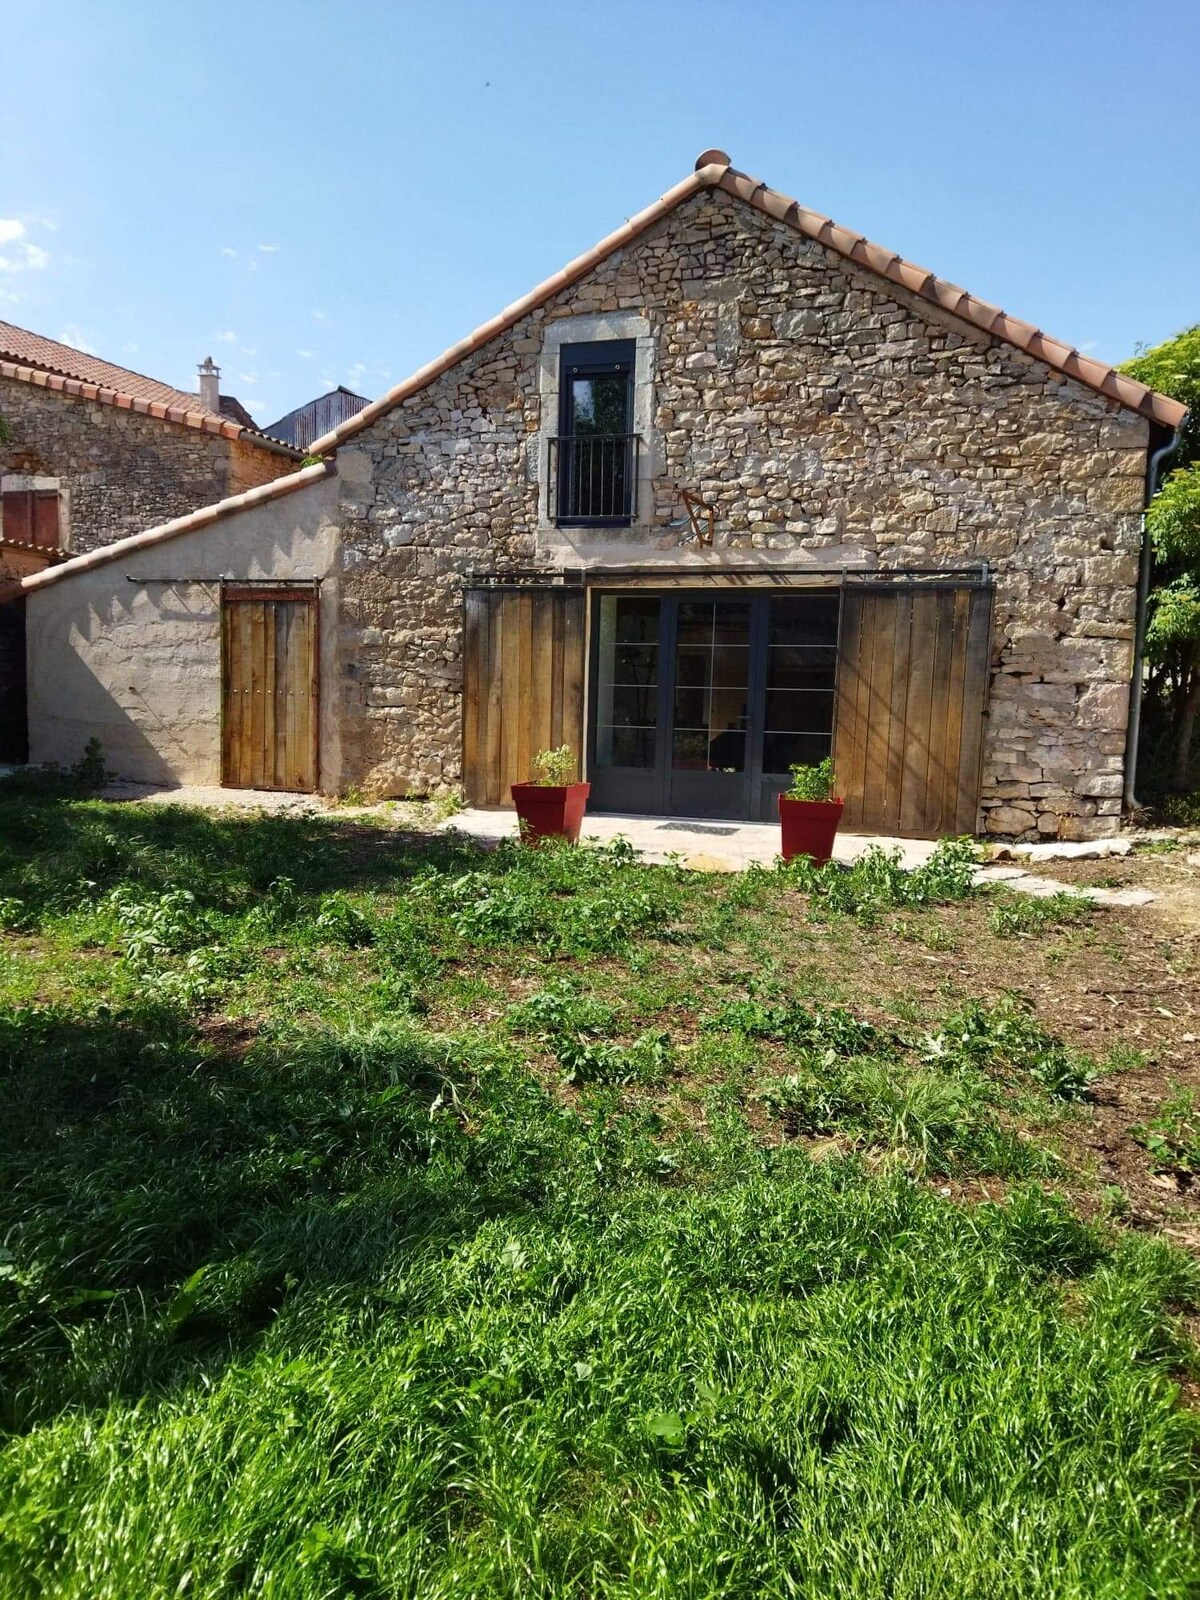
(30, 516)
(522, 684)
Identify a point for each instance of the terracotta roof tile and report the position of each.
(52, 365)
(713, 170)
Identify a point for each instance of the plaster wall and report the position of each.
(137, 664)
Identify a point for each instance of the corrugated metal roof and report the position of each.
(317, 417)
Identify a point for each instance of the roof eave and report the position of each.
(713, 170)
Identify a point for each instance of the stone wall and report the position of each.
(121, 472)
(832, 420)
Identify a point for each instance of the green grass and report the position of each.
(382, 1217)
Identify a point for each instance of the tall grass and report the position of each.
(294, 1307)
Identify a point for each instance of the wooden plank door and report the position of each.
(522, 684)
(269, 688)
(913, 669)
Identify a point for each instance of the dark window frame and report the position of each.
(596, 358)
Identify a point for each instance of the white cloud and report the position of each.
(268, 249)
(226, 336)
(248, 377)
(319, 316)
(247, 350)
(21, 254)
(130, 349)
(306, 355)
(71, 335)
(226, 251)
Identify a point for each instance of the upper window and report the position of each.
(30, 516)
(596, 448)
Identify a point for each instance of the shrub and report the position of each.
(1015, 916)
(554, 768)
(877, 880)
(813, 782)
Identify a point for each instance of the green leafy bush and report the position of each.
(1013, 916)
(555, 768)
(876, 880)
(812, 782)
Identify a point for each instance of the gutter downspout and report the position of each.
(1129, 799)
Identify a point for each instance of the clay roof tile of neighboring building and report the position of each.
(53, 365)
(713, 171)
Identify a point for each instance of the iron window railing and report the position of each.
(594, 477)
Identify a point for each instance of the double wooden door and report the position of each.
(269, 687)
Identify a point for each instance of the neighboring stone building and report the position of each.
(91, 452)
(734, 489)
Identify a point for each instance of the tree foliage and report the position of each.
(1173, 523)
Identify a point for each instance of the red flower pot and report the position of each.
(550, 811)
(809, 827)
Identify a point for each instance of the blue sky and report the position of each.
(325, 191)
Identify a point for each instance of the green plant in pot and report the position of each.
(552, 804)
(809, 813)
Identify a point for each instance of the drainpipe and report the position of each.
(1129, 799)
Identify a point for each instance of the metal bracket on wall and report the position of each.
(695, 509)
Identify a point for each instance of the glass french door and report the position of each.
(701, 702)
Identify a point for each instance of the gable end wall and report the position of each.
(830, 418)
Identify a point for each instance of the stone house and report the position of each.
(91, 452)
(735, 489)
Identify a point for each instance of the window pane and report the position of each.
(800, 667)
(782, 751)
(696, 623)
(631, 706)
(634, 620)
(727, 752)
(799, 711)
(625, 747)
(627, 677)
(691, 708)
(806, 619)
(689, 751)
(692, 668)
(635, 663)
(731, 666)
(600, 404)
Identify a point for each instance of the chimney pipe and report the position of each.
(210, 388)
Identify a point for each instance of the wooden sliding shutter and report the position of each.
(913, 668)
(269, 687)
(522, 684)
